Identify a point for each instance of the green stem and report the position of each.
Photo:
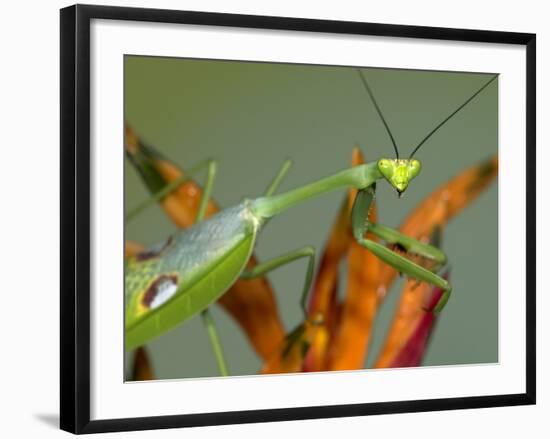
(358, 177)
(215, 341)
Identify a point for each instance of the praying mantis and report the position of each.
(179, 278)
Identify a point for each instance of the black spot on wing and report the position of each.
(162, 288)
(154, 252)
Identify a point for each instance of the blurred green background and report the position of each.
(252, 116)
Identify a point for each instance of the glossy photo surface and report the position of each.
(251, 117)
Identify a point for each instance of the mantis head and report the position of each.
(399, 172)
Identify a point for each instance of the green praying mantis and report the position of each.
(179, 278)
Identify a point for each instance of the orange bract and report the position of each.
(182, 208)
(323, 300)
(435, 211)
(406, 318)
(290, 354)
(409, 311)
(143, 369)
(132, 248)
(349, 347)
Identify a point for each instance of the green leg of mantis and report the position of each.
(276, 182)
(165, 191)
(266, 267)
(206, 315)
(410, 245)
(360, 227)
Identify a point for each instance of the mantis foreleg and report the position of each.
(410, 245)
(361, 225)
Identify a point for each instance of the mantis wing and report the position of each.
(171, 283)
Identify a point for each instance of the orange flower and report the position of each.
(143, 369)
(290, 355)
(350, 344)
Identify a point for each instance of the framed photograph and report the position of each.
(275, 218)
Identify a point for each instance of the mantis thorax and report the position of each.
(399, 172)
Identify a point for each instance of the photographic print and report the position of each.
(295, 218)
(278, 218)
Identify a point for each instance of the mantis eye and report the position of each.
(414, 168)
(386, 168)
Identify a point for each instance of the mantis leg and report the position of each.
(410, 245)
(157, 196)
(274, 185)
(361, 225)
(207, 319)
(207, 191)
(265, 267)
(210, 326)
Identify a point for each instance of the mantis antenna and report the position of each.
(451, 115)
(371, 94)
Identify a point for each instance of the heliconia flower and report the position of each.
(143, 369)
(323, 297)
(132, 248)
(351, 319)
(434, 212)
(412, 303)
(350, 342)
(407, 316)
(289, 356)
(412, 351)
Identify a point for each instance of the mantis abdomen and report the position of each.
(192, 268)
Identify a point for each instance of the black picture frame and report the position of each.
(75, 217)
